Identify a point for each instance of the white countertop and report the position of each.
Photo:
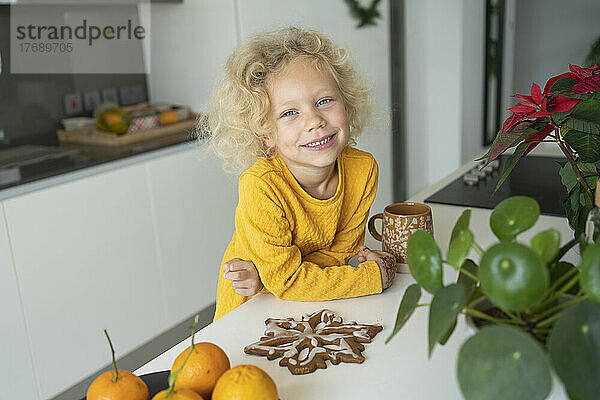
(399, 369)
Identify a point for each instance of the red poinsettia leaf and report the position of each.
(537, 138)
(540, 135)
(562, 104)
(508, 139)
(539, 114)
(531, 147)
(587, 85)
(512, 121)
(522, 108)
(536, 93)
(552, 81)
(583, 73)
(529, 99)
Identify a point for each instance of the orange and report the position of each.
(166, 118)
(205, 365)
(245, 382)
(181, 394)
(127, 387)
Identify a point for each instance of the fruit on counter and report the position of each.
(117, 384)
(245, 382)
(167, 117)
(205, 365)
(112, 119)
(180, 393)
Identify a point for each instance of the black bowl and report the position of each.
(155, 381)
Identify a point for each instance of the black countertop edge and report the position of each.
(87, 157)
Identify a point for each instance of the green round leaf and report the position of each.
(445, 306)
(546, 244)
(513, 276)
(590, 272)
(425, 261)
(459, 248)
(513, 216)
(502, 362)
(575, 351)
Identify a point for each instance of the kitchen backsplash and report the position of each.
(32, 105)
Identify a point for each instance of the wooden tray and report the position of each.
(92, 135)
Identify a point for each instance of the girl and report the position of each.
(290, 105)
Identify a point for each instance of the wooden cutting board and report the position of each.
(94, 136)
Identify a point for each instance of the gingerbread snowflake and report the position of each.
(305, 345)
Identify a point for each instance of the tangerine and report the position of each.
(245, 382)
(181, 394)
(127, 387)
(206, 363)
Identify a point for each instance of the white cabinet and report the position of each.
(85, 256)
(16, 368)
(194, 203)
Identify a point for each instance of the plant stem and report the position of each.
(114, 362)
(559, 307)
(173, 375)
(514, 317)
(423, 305)
(563, 250)
(548, 321)
(194, 330)
(467, 273)
(563, 278)
(481, 315)
(557, 294)
(578, 173)
(478, 249)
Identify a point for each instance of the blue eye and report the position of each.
(324, 101)
(287, 113)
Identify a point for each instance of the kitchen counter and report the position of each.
(399, 369)
(84, 160)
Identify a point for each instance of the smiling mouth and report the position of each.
(320, 142)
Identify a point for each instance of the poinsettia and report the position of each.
(566, 112)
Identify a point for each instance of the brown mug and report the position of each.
(400, 220)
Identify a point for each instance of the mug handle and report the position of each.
(372, 228)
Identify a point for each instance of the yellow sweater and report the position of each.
(301, 245)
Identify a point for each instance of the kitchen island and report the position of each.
(399, 369)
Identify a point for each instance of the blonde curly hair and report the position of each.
(238, 122)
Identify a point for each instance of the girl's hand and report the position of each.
(243, 276)
(385, 261)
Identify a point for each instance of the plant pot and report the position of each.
(483, 304)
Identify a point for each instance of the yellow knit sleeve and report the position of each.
(351, 236)
(265, 237)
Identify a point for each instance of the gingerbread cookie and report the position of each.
(305, 345)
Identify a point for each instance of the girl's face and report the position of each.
(309, 116)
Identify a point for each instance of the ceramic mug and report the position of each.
(400, 220)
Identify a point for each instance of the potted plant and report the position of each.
(531, 329)
(567, 112)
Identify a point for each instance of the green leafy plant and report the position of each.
(593, 57)
(567, 113)
(365, 15)
(544, 312)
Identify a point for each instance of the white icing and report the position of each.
(314, 334)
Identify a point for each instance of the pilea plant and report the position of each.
(534, 326)
(567, 113)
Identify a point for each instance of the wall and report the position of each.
(444, 85)
(551, 34)
(31, 105)
(185, 63)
